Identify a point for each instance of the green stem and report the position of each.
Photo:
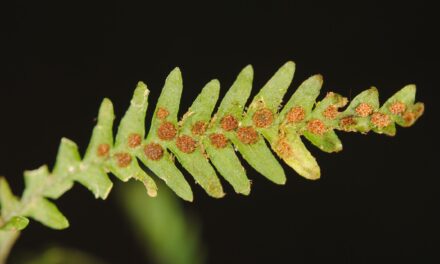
(7, 241)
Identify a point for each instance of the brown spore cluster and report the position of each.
(346, 122)
(331, 112)
(316, 126)
(296, 114)
(186, 144)
(364, 110)
(198, 128)
(123, 159)
(153, 151)
(247, 135)
(397, 108)
(103, 150)
(162, 113)
(409, 117)
(218, 140)
(134, 140)
(283, 149)
(166, 131)
(380, 120)
(229, 123)
(263, 118)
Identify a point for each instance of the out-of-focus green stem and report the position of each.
(7, 241)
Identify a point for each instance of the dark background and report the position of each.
(377, 200)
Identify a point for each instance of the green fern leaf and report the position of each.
(201, 141)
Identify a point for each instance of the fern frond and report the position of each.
(202, 141)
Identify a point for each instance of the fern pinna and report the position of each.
(201, 141)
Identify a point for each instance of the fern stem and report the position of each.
(7, 241)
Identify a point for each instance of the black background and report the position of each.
(377, 200)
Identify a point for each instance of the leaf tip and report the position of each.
(152, 192)
(290, 65)
(189, 198)
(373, 89)
(107, 104)
(247, 71)
(280, 180)
(214, 82)
(3, 181)
(142, 85)
(105, 193)
(319, 78)
(245, 191)
(214, 87)
(67, 141)
(24, 222)
(64, 224)
(410, 87)
(142, 89)
(16, 223)
(176, 73)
